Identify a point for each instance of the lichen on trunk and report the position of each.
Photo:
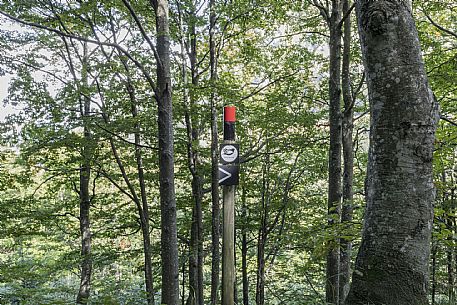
(392, 263)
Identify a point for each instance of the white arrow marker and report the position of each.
(226, 177)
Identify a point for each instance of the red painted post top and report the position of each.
(229, 114)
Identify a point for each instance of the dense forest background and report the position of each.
(82, 185)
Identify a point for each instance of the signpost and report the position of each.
(229, 178)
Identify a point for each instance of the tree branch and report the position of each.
(142, 30)
(346, 15)
(439, 26)
(88, 40)
(448, 120)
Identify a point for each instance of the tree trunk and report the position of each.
(196, 251)
(215, 217)
(193, 298)
(84, 193)
(193, 135)
(260, 288)
(392, 263)
(244, 250)
(450, 270)
(169, 240)
(197, 179)
(450, 248)
(144, 211)
(262, 237)
(334, 161)
(348, 158)
(434, 252)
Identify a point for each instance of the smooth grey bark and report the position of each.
(84, 193)
(348, 158)
(169, 239)
(215, 209)
(392, 263)
(334, 158)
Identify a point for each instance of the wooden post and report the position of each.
(228, 221)
(228, 246)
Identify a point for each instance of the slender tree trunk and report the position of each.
(450, 248)
(141, 204)
(334, 162)
(450, 270)
(193, 298)
(144, 211)
(348, 157)
(235, 286)
(244, 250)
(215, 217)
(260, 288)
(454, 253)
(183, 287)
(197, 179)
(434, 252)
(169, 239)
(84, 193)
(392, 263)
(193, 135)
(195, 258)
(262, 236)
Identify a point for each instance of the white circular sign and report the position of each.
(229, 153)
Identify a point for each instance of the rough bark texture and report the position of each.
(169, 240)
(392, 263)
(216, 211)
(84, 195)
(334, 159)
(348, 158)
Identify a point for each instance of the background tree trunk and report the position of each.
(334, 158)
(244, 249)
(433, 289)
(216, 211)
(392, 263)
(193, 136)
(262, 234)
(348, 159)
(144, 210)
(84, 193)
(169, 239)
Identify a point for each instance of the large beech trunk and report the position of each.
(392, 263)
